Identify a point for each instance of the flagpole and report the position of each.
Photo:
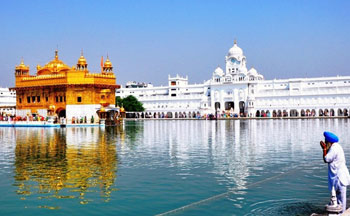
(101, 64)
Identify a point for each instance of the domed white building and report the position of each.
(236, 69)
(238, 91)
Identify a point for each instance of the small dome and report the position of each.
(219, 71)
(108, 63)
(122, 109)
(22, 66)
(235, 50)
(82, 60)
(252, 72)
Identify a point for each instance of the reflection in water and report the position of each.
(66, 163)
(239, 153)
(167, 164)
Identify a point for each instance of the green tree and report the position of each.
(118, 101)
(130, 103)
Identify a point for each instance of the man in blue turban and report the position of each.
(338, 173)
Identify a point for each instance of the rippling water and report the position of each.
(233, 167)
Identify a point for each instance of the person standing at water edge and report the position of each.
(338, 173)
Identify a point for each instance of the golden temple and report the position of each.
(58, 89)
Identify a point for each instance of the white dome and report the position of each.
(219, 71)
(235, 51)
(253, 72)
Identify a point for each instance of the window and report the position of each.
(173, 95)
(79, 99)
(38, 99)
(102, 97)
(56, 98)
(64, 98)
(173, 83)
(20, 100)
(33, 99)
(28, 99)
(47, 99)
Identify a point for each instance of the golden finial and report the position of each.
(82, 53)
(235, 41)
(56, 54)
(22, 62)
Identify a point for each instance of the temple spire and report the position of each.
(56, 54)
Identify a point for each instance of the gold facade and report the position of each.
(57, 85)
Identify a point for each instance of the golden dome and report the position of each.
(108, 63)
(122, 109)
(54, 66)
(82, 60)
(22, 66)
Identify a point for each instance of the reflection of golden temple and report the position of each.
(47, 163)
(72, 91)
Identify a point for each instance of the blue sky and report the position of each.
(147, 40)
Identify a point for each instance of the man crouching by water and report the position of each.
(338, 173)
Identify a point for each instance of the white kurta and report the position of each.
(337, 170)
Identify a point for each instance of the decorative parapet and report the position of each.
(100, 75)
(51, 76)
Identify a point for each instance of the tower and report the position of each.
(107, 67)
(22, 70)
(82, 65)
(235, 60)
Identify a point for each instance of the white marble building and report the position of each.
(238, 91)
(7, 102)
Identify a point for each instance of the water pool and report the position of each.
(172, 167)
